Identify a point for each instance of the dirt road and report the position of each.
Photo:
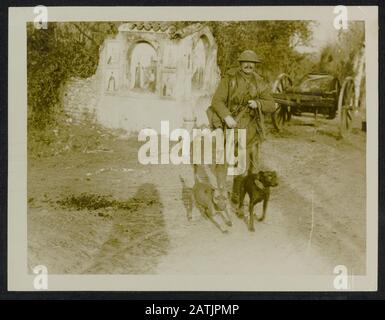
(102, 212)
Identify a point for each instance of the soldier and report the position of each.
(238, 102)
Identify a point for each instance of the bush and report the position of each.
(55, 54)
(339, 58)
(66, 135)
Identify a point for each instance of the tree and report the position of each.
(339, 58)
(55, 54)
(273, 41)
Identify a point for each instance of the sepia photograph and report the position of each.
(218, 153)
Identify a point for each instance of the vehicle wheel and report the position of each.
(280, 117)
(346, 107)
(282, 114)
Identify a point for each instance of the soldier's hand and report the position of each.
(230, 122)
(252, 104)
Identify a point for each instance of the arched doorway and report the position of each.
(143, 68)
(199, 60)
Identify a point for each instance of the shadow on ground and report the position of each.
(138, 235)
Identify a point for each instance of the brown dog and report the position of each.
(214, 204)
(257, 186)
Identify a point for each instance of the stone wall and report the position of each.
(80, 95)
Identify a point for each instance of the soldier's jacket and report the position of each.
(234, 92)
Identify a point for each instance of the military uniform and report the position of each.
(231, 97)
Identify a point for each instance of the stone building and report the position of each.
(155, 58)
(147, 73)
(150, 72)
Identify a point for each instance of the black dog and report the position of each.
(257, 186)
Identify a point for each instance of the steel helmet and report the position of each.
(249, 56)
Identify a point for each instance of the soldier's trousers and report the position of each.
(252, 166)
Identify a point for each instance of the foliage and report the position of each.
(55, 54)
(273, 41)
(339, 58)
(66, 135)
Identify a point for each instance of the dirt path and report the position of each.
(316, 217)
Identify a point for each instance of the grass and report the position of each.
(91, 201)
